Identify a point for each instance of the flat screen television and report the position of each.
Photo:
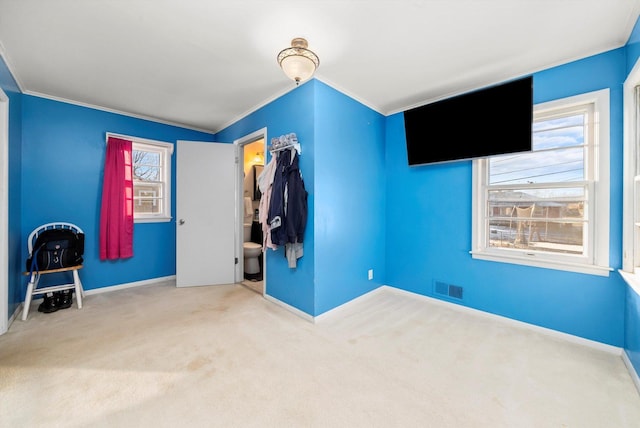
(491, 121)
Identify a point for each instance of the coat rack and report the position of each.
(284, 142)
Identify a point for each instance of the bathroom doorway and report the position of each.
(251, 159)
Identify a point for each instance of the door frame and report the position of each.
(240, 143)
(4, 212)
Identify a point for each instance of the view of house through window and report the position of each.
(147, 182)
(537, 200)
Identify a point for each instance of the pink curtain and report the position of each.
(116, 213)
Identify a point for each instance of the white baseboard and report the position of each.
(345, 306)
(15, 314)
(631, 370)
(37, 300)
(290, 308)
(549, 332)
(130, 285)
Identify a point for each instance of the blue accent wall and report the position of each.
(342, 164)
(349, 198)
(632, 328)
(63, 150)
(14, 244)
(429, 227)
(293, 112)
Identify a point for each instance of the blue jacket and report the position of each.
(288, 208)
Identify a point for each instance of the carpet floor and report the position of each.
(224, 356)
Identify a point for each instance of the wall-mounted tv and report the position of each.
(491, 121)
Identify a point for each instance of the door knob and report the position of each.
(181, 222)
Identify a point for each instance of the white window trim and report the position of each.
(167, 148)
(628, 272)
(600, 201)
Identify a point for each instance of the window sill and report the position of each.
(632, 280)
(547, 264)
(152, 220)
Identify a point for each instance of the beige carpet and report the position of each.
(223, 356)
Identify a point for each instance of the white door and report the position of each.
(205, 213)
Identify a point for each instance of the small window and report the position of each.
(151, 180)
(541, 207)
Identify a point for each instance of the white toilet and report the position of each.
(251, 252)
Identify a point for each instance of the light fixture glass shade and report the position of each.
(298, 62)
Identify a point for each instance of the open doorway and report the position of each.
(251, 160)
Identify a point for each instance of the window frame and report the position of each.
(597, 183)
(166, 151)
(631, 169)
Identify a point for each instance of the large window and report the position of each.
(549, 207)
(151, 180)
(631, 210)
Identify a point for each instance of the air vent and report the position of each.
(447, 290)
(441, 288)
(455, 292)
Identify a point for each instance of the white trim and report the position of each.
(4, 212)
(17, 312)
(615, 350)
(101, 290)
(597, 260)
(542, 263)
(628, 158)
(152, 281)
(167, 151)
(347, 305)
(290, 308)
(632, 280)
(239, 192)
(631, 370)
(7, 62)
(372, 106)
(163, 144)
(116, 111)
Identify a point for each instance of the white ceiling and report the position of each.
(204, 64)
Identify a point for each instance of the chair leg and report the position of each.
(78, 287)
(33, 283)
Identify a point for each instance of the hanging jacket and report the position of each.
(265, 183)
(288, 210)
(296, 202)
(276, 218)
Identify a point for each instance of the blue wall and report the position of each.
(342, 164)
(632, 328)
(63, 149)
(350, 198)
(429, 227)
(14, 244)
(293, 112)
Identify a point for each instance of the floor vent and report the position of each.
(447, 290)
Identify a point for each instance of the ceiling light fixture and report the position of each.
(298, 62)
